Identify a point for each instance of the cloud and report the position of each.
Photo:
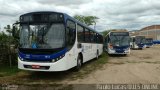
(64, 2)
(119, 14)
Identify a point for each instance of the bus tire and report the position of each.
(97, 55)
(79, 63)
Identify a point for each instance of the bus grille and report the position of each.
(38, 61)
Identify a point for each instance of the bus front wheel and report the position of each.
(79, 63)
(97, 55)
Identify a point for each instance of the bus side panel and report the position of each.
(100, 48)
(86, 51)
(96, 48)
(89, 51)
(71, 56)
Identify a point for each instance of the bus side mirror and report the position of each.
(15, 32)
(79, 45)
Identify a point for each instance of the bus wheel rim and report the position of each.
(79, 62)
(97, 55)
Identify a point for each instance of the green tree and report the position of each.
(8, 29)
(88, 20)
(12, 39)
(3, 38)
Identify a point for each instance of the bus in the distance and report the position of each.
(137, 42)
(54, 41)
(117, 42)
(149, 42)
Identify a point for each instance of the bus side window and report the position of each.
(92, 36)
(87, 36)
(70, 33)
(95, 37)
(99, 39)
(80, 34)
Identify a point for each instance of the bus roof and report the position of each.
(66, 16)
(149, 36)
(138, 36)
(119, 31)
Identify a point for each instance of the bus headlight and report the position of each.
(126, 49)
(58, 58)
(21, 58)
(53, 60)
(110, 46)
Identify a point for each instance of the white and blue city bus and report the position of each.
(54, 41)
(117, 42)
(149, 42)
(137, 42)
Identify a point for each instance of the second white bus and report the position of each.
(117, 42)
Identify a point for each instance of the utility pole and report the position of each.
(0, 27)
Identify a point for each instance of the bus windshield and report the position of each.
(149, 40)
(140, 39)
(121, 39)
(42, 35)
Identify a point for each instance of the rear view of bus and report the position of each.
(137, 42)
(149, 42)
(117, 42)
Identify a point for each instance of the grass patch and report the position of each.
(8, 71)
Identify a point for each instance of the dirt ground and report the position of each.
(140, 67)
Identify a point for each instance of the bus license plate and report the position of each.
(35, 66)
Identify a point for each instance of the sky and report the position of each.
(112, 14)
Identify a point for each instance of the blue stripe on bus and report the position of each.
(120, 49)
(140, 45)
(149, 43)
(42, 57)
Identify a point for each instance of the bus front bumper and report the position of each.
(111, 51)
(37, 66)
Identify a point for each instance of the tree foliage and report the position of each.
(8, 43)
(8, 38)
(4, 37)
(8, 29)
(88, 20)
